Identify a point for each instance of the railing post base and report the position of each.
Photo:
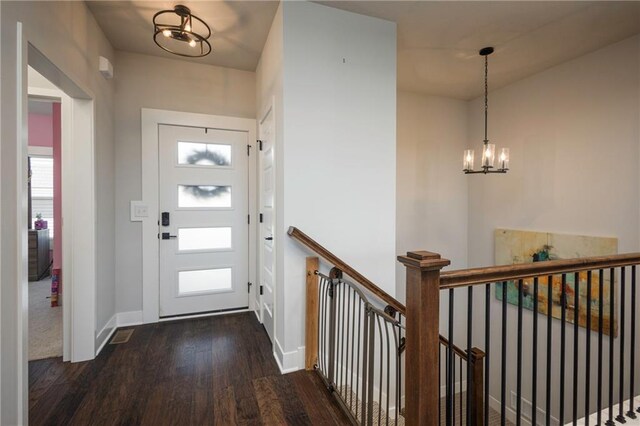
(311, 323)
(422, 392)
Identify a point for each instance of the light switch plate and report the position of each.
(139, 211)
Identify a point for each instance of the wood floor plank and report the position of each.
(224, 408)
(271, 410)
(207, 371)
(317, 400)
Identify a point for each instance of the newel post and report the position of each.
(311, 323)
(422, 392)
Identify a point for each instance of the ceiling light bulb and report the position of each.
(187, 27)
(166, 33)
(192, 43)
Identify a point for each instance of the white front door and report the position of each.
(267, 223)
(203, 229)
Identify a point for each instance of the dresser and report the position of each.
(38, 253)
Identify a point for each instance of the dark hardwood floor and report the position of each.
(215, 370)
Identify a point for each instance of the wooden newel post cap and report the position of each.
(423, 260)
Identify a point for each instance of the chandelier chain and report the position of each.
(486, 96)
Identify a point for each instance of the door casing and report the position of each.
(151, 118)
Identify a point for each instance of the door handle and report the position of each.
(166, 236)
(269, 238)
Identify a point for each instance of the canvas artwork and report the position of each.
(513, 247)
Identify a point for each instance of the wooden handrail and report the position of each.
(461, 353)
(476, 276)
(310, 243)
(337, 262)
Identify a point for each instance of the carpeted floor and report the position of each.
(45, 322)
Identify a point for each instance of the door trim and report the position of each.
(151, 118)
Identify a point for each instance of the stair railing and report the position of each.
(359, 339)
(573, 357)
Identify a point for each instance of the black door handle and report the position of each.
(268, 238)
(166, 236)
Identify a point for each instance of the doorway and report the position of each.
(203, 227)
(43, 214)
(215, 268)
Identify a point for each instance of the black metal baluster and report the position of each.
(367, 368)
(534, 362)
(321, 337)
(549, 323)
(487, 346)
(632, 357)
(453, 392)
(600, 326)
(588, 353)
(344, 327)
(439, 383)
(469, 343)
(563, 343)
(610, 421)
(386, 330)
(450, 364)
(576, 336)
(460, 391)
(333, 294)
(620, 417)
(503, 375)
(350, 341)
(358, 375)
(381, 368)
(371, 369)
(519, 357)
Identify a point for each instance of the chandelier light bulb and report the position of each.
(467, 159)
(166, 33)
(192, 43)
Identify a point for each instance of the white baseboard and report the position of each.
(510, 414)
(120, 319)
(288, 362)
(105, 334)
(458, 387)
(126, 319)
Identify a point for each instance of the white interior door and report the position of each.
(203, 228)
(267, 222)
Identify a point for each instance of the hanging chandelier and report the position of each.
(488, 149)
(179, 32)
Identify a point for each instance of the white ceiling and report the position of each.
(240, 28)
(438, 41)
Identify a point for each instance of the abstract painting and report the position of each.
(514, 247)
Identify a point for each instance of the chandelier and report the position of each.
(179, 32)
(488, 149)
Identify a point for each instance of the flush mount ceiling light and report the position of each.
(179, 32)
(488, 149)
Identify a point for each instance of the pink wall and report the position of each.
(40, 133)
(57, 185)
(46, 130)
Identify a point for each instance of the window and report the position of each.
(42, 191)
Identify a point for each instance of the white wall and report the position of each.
(151, 82)
(574, 137)
(431, 211)
(339, 150)
(67, 34)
